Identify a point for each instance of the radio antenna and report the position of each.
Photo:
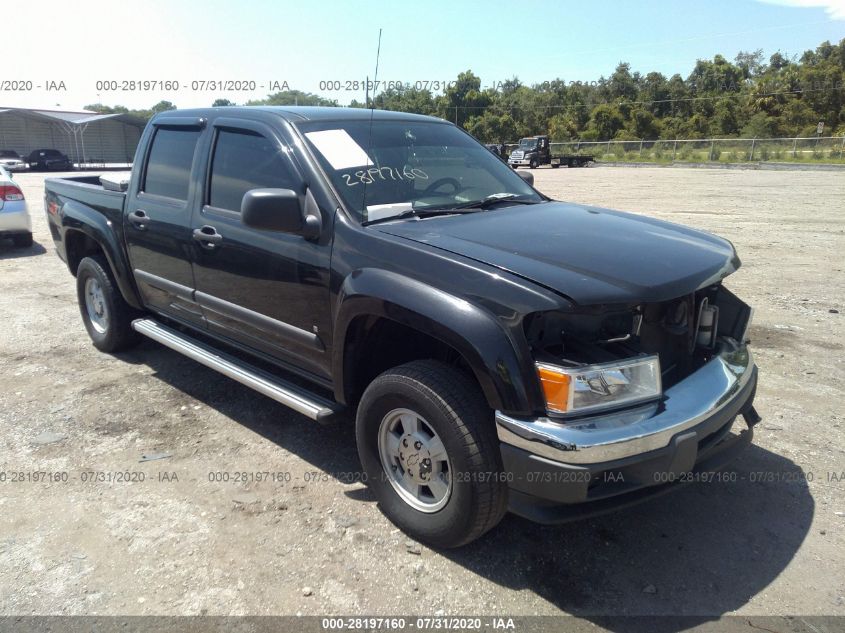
(375, 77)
(372, 114)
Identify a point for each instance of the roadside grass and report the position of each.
(721, 156)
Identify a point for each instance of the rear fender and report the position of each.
(80, 218)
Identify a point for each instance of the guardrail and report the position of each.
(824, 149)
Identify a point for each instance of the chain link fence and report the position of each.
(825, 149)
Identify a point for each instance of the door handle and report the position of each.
(139, 219)
(207, 236)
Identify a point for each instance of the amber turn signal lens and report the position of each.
(555, 388)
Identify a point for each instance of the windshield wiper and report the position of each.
(465, 207)
(421, 213)
(489, 201)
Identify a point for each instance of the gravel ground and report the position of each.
(311, 540)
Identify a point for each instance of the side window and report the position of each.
(169, 165)
(244, 160)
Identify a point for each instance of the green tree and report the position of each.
(717, 76)
(760, 126)
(622, 85)
(405, 99)
(725, 121)
(643, 124)
(606, 121)
(751, 64)
(162, 106)
(563, 127)
(463, 99)
(680, 104)
(777, 61)
(491, 127)
(293, 97)
(655, 92)
(104, 109)
(748, 97)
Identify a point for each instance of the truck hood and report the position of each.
(589, 255)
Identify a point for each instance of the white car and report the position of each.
(14, 214)
(11, 160)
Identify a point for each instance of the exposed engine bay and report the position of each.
(682, 332)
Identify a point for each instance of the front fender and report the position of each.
(483, 341)
(80, 218)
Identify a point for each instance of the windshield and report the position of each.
(527, 143)
(409, 166)
(5, 153)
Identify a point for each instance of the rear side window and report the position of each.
(169, 165)
(244, 160)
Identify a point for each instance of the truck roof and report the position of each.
(308, 113)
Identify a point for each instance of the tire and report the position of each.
(533, 164)
(447, 405)
(22, 241)
(114, 332)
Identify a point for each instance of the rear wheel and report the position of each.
(427, 444)
(23, 241)
(107, 316)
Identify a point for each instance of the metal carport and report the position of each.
(86, 137)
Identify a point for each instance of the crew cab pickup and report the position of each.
(496, 349)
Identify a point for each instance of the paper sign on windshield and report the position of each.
(339, 148)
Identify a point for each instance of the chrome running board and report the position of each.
(297, 398)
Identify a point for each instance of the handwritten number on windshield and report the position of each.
(376, 174)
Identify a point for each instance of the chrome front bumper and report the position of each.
(696, 399)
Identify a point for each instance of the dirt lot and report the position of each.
(308, 541)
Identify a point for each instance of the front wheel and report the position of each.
(428, 446)
(534, 164)
(107, 316)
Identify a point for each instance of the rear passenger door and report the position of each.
(158, 217)
(266, 290)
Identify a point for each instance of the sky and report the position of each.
(63, 48)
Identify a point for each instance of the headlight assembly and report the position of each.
(590, 388)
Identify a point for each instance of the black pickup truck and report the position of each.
(496, 349)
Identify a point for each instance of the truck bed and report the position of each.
(88, 190)
(572, 160)
(81, 204)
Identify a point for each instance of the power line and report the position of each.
(654, 101)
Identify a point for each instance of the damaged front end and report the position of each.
(653, 345)
(636, 397)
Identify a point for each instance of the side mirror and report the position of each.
(279, 210)
(527, 176)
